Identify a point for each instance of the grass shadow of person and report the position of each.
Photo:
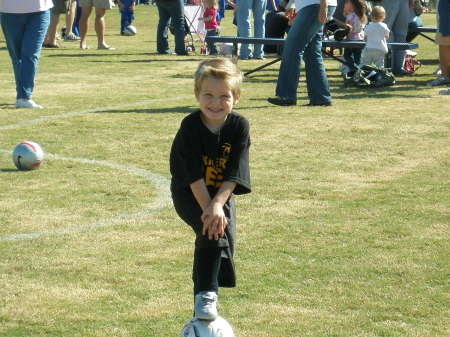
(8, 170)
(182, 110)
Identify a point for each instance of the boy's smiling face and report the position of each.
(216, 101)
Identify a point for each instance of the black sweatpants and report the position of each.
(213, 265)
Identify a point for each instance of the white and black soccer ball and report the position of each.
(28, 155)
(130, 30)
(201, 328)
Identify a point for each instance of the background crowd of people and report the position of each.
(30, 25)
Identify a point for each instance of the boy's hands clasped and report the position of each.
(213, 217)
(214, 221)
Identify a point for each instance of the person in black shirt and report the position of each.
(277, 25)
(209, 164)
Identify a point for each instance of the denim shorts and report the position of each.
(444, 17)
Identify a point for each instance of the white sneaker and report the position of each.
(438, 71)
(206, 305)
(71, 37)
(23, 103)
(445, 92)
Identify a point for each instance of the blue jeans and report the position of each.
(126, 14)
(304, 40)
(24, 34)
(397, 19)
(258, 8)
(353, 57)
(76, 21)
(170, 11)
(444, 18)
(222, 4)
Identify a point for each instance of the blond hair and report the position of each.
(210, 3)
(219, 68)
(378, 13)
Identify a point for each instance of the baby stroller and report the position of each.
(188, 38)
(193, 26)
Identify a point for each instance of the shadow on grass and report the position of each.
(162, 60)
(378, 95)
(427, 62)
(399, 90)
(8, 170)
(182, 110)
(84, 55)
(264, 73)
(259, 80)
(181, 76)
(413, 82)
(99, 53)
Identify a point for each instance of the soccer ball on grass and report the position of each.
(130, 30)
(28, 155)
(201, 328)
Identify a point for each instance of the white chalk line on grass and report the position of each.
(160, 183)
(78, 113)
(161, 201)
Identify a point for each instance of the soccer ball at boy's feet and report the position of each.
(200, 328)
(28, 155)
(130, 30)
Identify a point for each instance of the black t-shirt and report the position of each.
(198, 153)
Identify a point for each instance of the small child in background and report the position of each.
(376, 34)
(211, 24)
(209, 164)
(126, 8)
(355, 19)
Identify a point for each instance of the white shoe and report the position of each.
(438, 71)
(23, 103)
(206, 305)
(445, 92)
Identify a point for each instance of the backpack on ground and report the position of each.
(369, 77)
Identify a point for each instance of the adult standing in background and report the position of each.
(24, 25)
(443, 40)
(60, 7)
(170, 12)
(100, 10)
(397, 19)
(304, 41)
(258, 8)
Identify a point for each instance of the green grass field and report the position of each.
(346, 233)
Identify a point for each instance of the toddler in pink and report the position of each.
(211, 24)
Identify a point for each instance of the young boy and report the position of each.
(209, 163)
(376, 34)
(126, 8)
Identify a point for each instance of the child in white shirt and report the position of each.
(376, 34)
